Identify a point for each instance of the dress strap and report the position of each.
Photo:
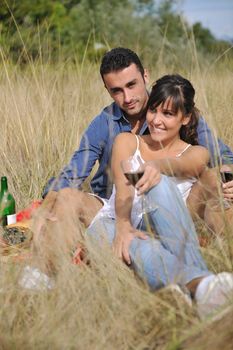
(137, 154)
(137, 140)
(180, 154)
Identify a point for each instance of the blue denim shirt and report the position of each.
(217, 149)
(96, 145)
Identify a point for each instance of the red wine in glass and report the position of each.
(133, 171)
(133, 177)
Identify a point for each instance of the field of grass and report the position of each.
(44, 110)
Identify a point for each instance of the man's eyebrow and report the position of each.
(131, 82)
(114, 89)
(117, 88)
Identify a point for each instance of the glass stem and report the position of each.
(146, 216)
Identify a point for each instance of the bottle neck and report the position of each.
(4, 185)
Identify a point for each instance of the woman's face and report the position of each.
(164, 124)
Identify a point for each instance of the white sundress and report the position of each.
(108, 209)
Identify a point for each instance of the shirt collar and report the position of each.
(117, 114)
(143, 128)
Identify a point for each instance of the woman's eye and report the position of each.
(168, 114)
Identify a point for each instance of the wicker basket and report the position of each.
(15, 242)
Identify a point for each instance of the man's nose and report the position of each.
(127, 96)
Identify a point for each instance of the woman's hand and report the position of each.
(150, 178)
(123, 240)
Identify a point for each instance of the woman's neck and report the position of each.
(167, 146)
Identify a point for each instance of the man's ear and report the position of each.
(146, 76)
(107, 89)
(186, 119)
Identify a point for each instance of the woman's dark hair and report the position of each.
(182, 93)
(118, 59)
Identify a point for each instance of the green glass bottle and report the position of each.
(7, 204)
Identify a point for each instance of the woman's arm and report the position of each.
(124, 146)
(190, 164)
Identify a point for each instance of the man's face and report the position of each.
(127, 87)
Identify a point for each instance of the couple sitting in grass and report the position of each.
(164, 147)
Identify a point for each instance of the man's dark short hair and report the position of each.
(118, 59)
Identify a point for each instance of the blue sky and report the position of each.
(216, 15)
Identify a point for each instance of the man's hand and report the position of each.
(228, 190)
(123, 240)
(150, 178)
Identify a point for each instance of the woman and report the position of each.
(169, 145)
(173, 255)
(172, 120)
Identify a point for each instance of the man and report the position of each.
(125, 79)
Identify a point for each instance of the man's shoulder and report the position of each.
(104, 122)
(202, 124)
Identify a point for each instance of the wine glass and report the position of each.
(226, 176)
(226, 172)
(133, 170)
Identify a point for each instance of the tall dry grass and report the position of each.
(44, 110)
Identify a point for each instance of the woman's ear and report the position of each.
(186, 119)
